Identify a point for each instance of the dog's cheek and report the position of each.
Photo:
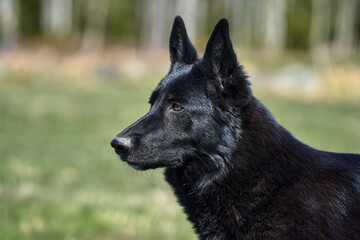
(204, 133)
(179, 123)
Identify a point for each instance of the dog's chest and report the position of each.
(221, 213)
(219, 216)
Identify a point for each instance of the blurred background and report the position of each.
(74, 73)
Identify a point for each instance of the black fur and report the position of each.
(237, 172)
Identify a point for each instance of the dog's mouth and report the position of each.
(138, 167)
(146, 166)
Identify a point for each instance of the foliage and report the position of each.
(265, 24)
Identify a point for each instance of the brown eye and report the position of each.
(176, 107)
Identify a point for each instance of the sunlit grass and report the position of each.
(59, 178)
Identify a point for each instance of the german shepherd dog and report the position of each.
(236, 171)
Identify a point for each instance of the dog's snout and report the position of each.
(121, 145)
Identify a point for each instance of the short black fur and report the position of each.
(237, 172)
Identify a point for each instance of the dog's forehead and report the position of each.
(180, 77)
(177, 71)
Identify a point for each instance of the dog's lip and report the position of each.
(137, 167)
(121, 156)
(174, 161)
(142, 167)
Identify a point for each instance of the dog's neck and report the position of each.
(266, 148)
(248, 183)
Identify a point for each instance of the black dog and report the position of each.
(236, 171)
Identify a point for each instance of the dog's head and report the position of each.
(195, 109)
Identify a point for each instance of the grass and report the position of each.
(59, 178)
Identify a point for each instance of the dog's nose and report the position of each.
(121, 146)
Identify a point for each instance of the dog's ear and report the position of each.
(181, 49)
(220, 61)
(219, 51)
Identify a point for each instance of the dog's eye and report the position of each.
(176, 107)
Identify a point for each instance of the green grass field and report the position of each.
(59, 178)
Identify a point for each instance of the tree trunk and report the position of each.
(320, 32)
(9, 12)
(275, 24)
(153, 23)
(242, 12)
(57, 18)
(95, 25)
(188, 9)
(344, 38)
(236, 10)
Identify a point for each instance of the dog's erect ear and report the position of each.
(181, 49)
(220, 60)
(219, 51)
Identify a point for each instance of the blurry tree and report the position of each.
(259, 23)
(189, 9)
(119, 30)
(320, 22)
(242, 19)
(77, 20)
(323, 26)
(299, 18)
(29, 20)
(95, 25)
(154, 18)
(320, 31)
(57, 18)
(333, 28)
(345, 31)
(158, 15)
(9, 14)
(201, 20)
(274, 22)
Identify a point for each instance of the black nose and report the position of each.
(121, 146)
